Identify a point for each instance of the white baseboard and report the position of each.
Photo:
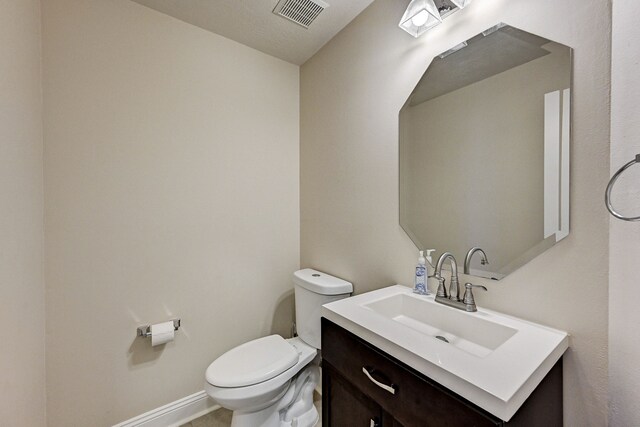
(175, 413)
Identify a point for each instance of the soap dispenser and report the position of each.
(420, 282)
(422, 273)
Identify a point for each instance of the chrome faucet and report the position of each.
(468, 303)
(454, 286)
(467, 259)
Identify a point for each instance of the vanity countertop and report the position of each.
(491, 359)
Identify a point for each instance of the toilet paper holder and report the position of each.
(145, 331)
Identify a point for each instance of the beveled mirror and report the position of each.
(484, 150)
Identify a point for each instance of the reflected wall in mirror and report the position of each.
(484, 150)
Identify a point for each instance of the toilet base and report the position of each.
(272, 419)
(294, 409)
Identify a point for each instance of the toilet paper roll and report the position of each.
(162, 333)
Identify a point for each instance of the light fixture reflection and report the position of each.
(420, 16)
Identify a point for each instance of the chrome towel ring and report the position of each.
(607, 195)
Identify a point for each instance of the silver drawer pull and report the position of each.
(388, 388)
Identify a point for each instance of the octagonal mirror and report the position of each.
(484, 150)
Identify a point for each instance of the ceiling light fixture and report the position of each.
(461, 4)
(422, 15)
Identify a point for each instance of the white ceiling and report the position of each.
(252, 23)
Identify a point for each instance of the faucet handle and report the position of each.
(442, 290)
(469, 301)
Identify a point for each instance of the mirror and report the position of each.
(484, 150)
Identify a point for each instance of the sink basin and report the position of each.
(473, 335)
(491, 359)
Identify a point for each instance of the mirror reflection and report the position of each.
(484, 150)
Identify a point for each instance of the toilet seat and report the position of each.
(258, 395)
(252, 362)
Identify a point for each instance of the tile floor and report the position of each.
(222, 418)
(219, 418)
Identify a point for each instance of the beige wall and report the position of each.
(351, 92)
(172, 190)
(22, 365)
(487, 139)
(624, 316)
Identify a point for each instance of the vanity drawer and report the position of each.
(410, 397)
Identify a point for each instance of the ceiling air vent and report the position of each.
(302, 12)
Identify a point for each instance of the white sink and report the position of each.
(474, 335)
(491, 359)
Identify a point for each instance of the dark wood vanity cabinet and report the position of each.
(351, 399)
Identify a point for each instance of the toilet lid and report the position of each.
(252, 362)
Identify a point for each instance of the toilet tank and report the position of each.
(312, 290)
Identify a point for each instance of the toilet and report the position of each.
(269, 381)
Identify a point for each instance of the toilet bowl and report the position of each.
(269, 381)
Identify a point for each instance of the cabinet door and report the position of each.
(415, 400)
(345, 406)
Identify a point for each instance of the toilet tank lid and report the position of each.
(321, 283)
